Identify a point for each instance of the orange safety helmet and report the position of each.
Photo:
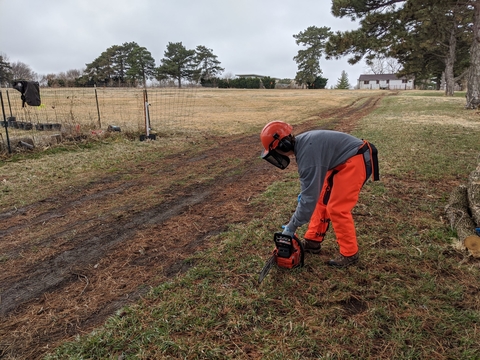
(273, 132)
(271, 136)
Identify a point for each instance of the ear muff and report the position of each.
(285, 145)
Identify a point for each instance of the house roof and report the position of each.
(250, 75)
(367, 77)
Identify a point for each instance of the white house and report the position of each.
(385, 81)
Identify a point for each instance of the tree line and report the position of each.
(430, 40)
(131, 65)
(128, 64)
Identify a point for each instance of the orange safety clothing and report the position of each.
(339, 195)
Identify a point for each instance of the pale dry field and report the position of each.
(199, 114)
(230, 112)
(427, 110)
(172, 110)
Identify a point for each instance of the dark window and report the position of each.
(366, 82)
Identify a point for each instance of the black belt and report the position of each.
(367, 146)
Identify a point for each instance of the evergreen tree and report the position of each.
(122, 65)
(207, 63)
(342, 82)
(141, 65)
(178, 63)
(5, 71)
(419, 34)
(473, 82)
(308, 59)
(319, 83)
(268, 82)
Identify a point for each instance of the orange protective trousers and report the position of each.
(339, 195)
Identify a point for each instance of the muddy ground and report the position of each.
(72, 260)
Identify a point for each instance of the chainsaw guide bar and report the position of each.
(266, 268)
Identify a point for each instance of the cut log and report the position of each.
(472, 243)
(458, 214)
(473, 191)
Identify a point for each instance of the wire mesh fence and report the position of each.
(74, 111)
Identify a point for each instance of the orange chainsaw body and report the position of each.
(288, 251)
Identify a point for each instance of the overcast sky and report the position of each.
(248, 36)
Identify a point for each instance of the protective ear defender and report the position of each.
(285, 145)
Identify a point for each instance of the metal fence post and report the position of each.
(147, 113)
(98, 108)
(5, 123)
(9, 104)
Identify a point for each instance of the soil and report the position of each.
(91, 250)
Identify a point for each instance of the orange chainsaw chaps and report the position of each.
(339, 196)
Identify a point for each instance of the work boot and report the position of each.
(343, 261)
(312, 247)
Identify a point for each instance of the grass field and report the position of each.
(412, 296)
(171, 110)
(214, 113)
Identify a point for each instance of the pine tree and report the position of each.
(343, 81)
(207, 63)
(426, 37)
(178, 63)
(5, 71)
(308, 59)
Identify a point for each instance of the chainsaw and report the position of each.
(288, 254)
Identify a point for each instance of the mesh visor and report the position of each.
(274, 158)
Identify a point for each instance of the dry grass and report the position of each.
(189, 109)
(214, 112)
(410, 297)
(231, 112)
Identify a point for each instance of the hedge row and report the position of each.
(255, 83)
(240, 83)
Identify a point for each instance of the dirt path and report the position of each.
(76, 258)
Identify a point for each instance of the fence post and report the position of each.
(147, 113)
(9, 105)
(98, 108)
(5, 123)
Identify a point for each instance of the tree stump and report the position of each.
(458, 214)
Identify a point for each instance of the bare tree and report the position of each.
(228, 76)
(68, 78)
(22, 71)
(383, 65)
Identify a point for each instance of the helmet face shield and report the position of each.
(274, 158)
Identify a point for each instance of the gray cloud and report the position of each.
(248, 36)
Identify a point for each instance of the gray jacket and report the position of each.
(317, 152)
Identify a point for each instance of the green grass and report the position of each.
(412, 296)
(437, 93)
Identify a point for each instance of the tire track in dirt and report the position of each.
(78, 283)
(51, 273)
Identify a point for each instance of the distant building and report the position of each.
(385, 81)
(254, 76)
